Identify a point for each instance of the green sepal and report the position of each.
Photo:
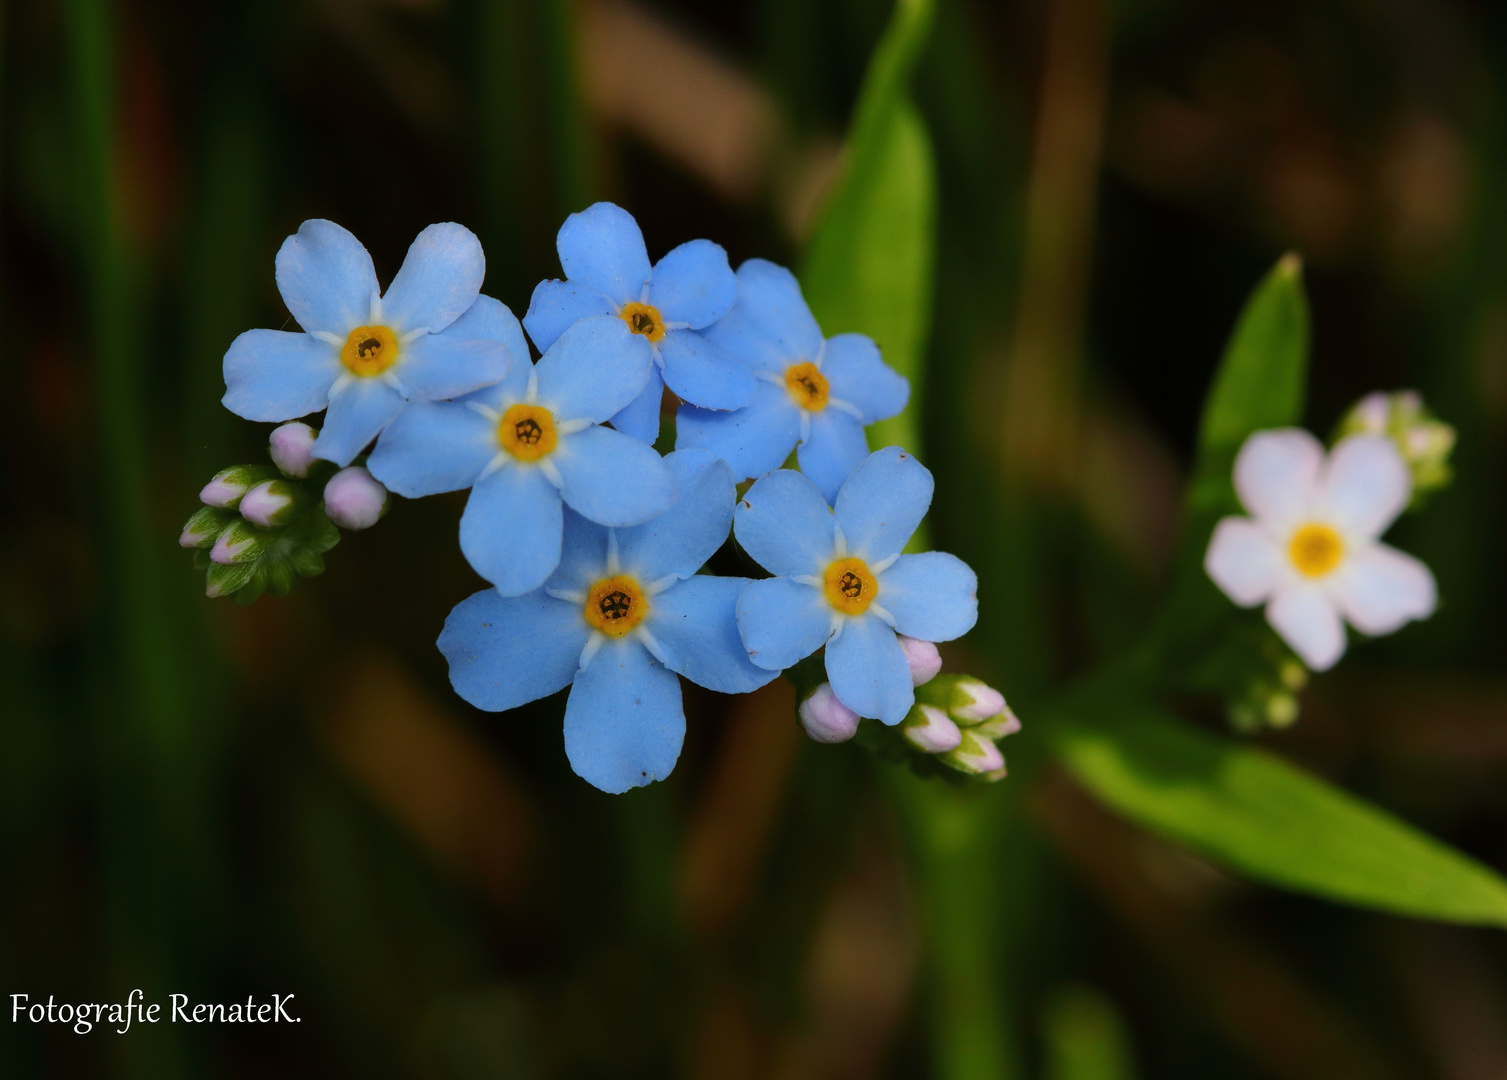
(207, 523)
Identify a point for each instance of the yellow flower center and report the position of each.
(1315, 550)
(527, 432)
(616, 605)
(850, 588)
(370, 350)
(644, 319)
(807, 386)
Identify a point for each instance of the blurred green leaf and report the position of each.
(1265, 819)
(1085, 1037)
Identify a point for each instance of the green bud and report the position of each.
(206, 524)
(1424, 441)
(228, 485)
(974, 755)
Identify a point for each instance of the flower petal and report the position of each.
(595, 369)
(858, 375)
(1276, 475)
(782, 621)
(613, 479)
(753, 440)
(770, 327)
(695, 623)
(1244, 561)
(356, 416)
(583, 554)
(702, 374)
(693, 284)
(933, 596)
(556, 306)
(438, 366)
(1380, 588)
(439, 280)
(273, 375)
(433, 446)
(624, 723)
(833, 452)
(868, 670)
(1365, 485)
(326, 278)
(601, 247)
(639, 419)
(1309, 622)
(510, 531)
(785, 525)
(681, 540)
(508, 650)
(489, 319)
(882, 503)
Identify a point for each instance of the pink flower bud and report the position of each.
(983, 701)
(923, 658)
(826, 719)
(224, 490)
(998, 726)
(264, 504)
(234, 545)
(354, 499)
(976, 756)
(292, 448)
(930, 730)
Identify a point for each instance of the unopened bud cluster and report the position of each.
(261, 527)
(1424, 441)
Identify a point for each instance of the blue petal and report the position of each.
(583, 554)
(681, 540)
(602, 248)
(702, 374)
(438, 366)
(596, 368)
(693, 284)
(433, 447)
(491, 320)
(782, 621)
(640, 417)
(857, 375)
(933, 596)
(623, 722)
(556, 306)
(357, 415)
(836, 447)
(272, 375)
(882, 503)
(868, 670)
(612, 479)
(770, 327)
(440, 278)
(512, 389)
(696, 626)
(785, 525)
(753, 440)
(326, 278)
(510, 532)
(508, 650)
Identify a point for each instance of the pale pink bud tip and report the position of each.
(984, 702)
(262, 505)
(292, 448)
(221, 492)
(354, 499)
(923, 658)
(230, 547)
(826, 719)
(977, 756)
(931, 731)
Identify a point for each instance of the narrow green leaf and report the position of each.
(1268, 820)
(1085, 1037)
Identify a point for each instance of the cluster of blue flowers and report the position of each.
(592, 541)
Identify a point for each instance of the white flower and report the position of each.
(1309, 550)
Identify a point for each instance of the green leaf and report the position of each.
(1085, 1037)
(1266, 819)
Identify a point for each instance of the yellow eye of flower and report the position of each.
(527, 432)
(644, 319)
(849, 586)
(1315, 550)
(615, 605)
(807, 386)
(370, 350)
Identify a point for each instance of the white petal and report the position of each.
(1380, 588)
(1243, 560)
(1365, 485)
(1276, 475)
(1308, 621)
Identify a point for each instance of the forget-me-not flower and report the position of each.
(364, 353)
(841, 580)
(621, 616)
(528, 443)
(659, 309)
(817, 392)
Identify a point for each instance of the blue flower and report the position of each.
(842, 582)
(817, 393)
(364, 353)
(621, 616)
(528, 443)
(660, 310)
